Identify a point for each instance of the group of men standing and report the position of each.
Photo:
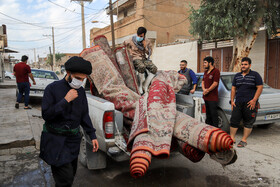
(246, 89)
(65, 108)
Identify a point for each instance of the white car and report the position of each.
(42, 79)
(9, 75)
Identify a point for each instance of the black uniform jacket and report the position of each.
(56, 111)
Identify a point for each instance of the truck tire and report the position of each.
(223, 121)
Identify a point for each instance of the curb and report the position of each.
(7, 86)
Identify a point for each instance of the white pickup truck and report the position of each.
(108, 123)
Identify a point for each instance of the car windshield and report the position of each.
(227, 80)
(44, 74)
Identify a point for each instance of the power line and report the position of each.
(22, 21)
(65, 7)
(61, 40)
(165, 26)
(86, 6)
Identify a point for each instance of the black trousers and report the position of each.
(243, 112)
(212, 113)
(64, 175)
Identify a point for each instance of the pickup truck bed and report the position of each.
(115, 146)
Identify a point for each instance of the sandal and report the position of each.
(26, 108)
(242, 144)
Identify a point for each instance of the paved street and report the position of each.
(257, 164)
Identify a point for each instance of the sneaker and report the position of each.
(17, 105)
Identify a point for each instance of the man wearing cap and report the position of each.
(64, 109)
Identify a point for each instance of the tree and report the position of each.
(58, 57)
(239, 20)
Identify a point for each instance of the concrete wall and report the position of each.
(169, 19)
(258, 53)
(169, 57)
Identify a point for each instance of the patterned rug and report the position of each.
(103, 43)
(205, 137)
(154, 115)
(127, 69)
(109, 82)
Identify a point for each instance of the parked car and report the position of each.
(269, 109)
(9, 75)
(42, 78)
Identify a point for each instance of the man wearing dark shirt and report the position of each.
(210, 83)
(246, 89)
(190, 75)
(64, 109)
(22, 71)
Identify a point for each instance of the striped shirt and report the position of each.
(246, 86)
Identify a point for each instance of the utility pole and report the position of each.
(53, 47)
(39, 62)
(112, 25)
(50, 57)
(83, 25)
(83, 21)
(53, 59)
(34, 56)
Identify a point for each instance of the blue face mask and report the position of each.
(139, 39)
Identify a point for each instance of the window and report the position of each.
(227, 80)
(199, 83)
(124, 13)
(44, 74)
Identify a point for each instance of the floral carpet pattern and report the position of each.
(155, 119)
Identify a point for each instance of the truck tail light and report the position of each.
(203, 110)
(108, 124)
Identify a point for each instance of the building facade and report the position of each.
(166, 21)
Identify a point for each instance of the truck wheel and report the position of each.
(223, 121)
(83, 154)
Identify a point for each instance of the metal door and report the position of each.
(273, 63)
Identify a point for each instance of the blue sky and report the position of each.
(28, 20)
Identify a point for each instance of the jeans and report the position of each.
(23, 87)
(212, 113)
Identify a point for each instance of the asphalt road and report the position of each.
(258, 164)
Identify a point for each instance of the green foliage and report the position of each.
(225, 19)
(58, 57)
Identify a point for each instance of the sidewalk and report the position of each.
(8, 84)
(18, 127)
(20, 132)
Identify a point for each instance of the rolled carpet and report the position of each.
(155, 119)
(127, 69)
(102, 41)
(190, 152)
